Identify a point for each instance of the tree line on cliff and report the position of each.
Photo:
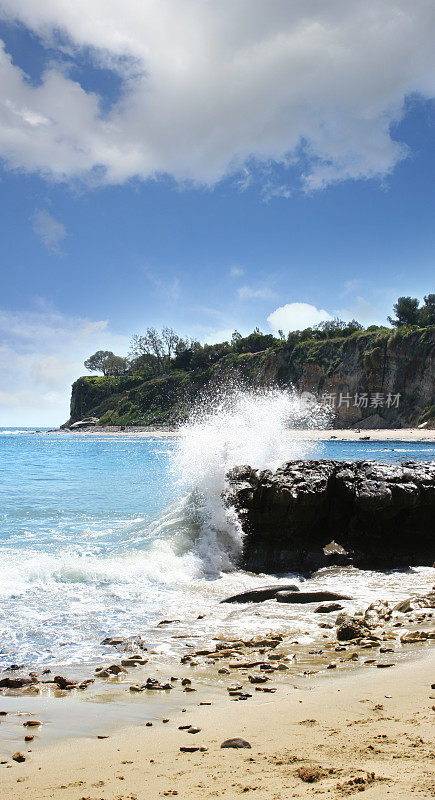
(155, 353)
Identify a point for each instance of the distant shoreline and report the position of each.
(345, 435)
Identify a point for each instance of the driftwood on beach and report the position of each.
(311, 514)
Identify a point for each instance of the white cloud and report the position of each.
(363, 311)
(41, 354)
(210, 87)
(296, 317)
(50, 231)
(249, 293)
(236, 272)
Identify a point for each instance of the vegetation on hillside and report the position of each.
(157, 353)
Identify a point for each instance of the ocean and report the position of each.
(111, 534)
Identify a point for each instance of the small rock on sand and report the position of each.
(18, 757)
(236, 743)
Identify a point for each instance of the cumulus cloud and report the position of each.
(50, 231)
(41, 354)
(296, 317)
(211, 89)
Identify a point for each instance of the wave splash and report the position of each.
(237, 427)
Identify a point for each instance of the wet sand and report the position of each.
(371, 729)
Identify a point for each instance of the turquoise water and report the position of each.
(103, 535)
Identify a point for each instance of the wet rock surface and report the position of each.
(377, 516)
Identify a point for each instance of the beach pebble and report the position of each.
(116, 669)
(193, 749)
(186, 682)
(192, 729)
(236, 743)
(327, 608)
(16, 683)
(32, 723)
(29, 738)
(18, 757)
(64, 683)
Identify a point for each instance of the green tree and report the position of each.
(406, 311)
(116, 365)
(426, 314)
(98, 361)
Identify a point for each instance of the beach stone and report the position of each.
(260, 594)
(134, 661)
(351, 629)
(29, 738)
(16, 683)
(257, 678)
(236, 743)
(64, 683)
(18, 757)
(32, 723)
(414, 636)
(113, 640)
(308, 597)
(116, 669)
(192, 729)
(328, 608)
(193, 749)
(404, 607)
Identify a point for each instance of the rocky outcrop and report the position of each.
(310, 514)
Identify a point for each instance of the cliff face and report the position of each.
(310, 514)
(371, 379)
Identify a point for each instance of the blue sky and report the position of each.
(202, 170)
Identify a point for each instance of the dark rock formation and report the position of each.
(379, 516)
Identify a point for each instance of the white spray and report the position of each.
(236, 427)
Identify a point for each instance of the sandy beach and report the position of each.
(346, 435)
(330, 736)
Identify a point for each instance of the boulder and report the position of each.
(311, 514)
